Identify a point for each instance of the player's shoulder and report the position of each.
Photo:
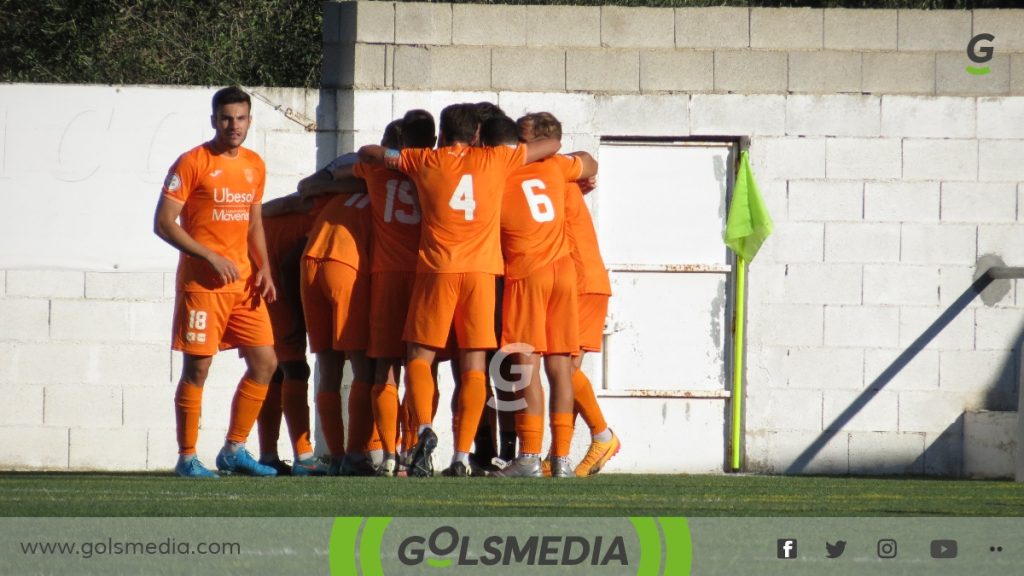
(502, 149)
(251, 157)
(200, 153)
(366, 169)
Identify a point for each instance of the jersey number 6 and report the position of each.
(541, 207)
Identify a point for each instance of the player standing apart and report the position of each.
(216, 190)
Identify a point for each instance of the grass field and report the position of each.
(94, 494)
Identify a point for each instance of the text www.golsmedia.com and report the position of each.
(113, 547)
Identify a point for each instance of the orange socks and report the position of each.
(188, 403)
(530, 429)
(328, 407)
(385, 414)
(245, 407)
(296, 412)
(586, 403)
(360, 419)
(420, 383)
(561, 434)
(472, 398)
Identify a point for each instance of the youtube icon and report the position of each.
(944, 549)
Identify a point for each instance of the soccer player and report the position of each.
(396, 230)
(335, 298)
(286, 223)
(540, 307)
(216, 190)
(460, 189)
(593, 291)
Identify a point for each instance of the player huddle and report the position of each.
(396, 258)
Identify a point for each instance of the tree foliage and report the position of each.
(172, 42)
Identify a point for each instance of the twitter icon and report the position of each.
(835, 550)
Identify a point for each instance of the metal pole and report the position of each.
(737, 361)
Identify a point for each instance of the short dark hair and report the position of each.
(392, 137)
(459, 123)
(488, 110)
(230, 95)
(499, 130)
(418, 129)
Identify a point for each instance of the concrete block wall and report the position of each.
(888, 169)
(85, 362)
(89, 376)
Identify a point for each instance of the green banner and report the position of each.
(642, 546)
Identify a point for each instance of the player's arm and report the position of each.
(587, 185)
(311, 180)
(262, 280)
(541, 149)
(290, 204)
(381, 156)
(588, 165)
(338, 181)
(165, 225)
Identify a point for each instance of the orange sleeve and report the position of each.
(261, 183)
(571, 166)
(181, 178)
(410, 159)
(516, 155)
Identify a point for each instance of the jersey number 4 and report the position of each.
(541, 207)
(462, 198)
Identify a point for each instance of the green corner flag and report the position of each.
(749, 223)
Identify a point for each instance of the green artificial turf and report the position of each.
(80, 494)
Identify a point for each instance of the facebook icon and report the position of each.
(786, 548)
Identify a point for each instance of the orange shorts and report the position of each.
(593, 310)
(541, 310)
(390, 293)
(205, 322)
(463, 301)
(336, 304)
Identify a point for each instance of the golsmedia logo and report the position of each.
(550, 550)
(452, 546)
(980, 54)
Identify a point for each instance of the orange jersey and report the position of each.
(460, 190)
(216, 193)
(285, 231)
(342, 232)
(590, 270)
(533, 214)
(396, 218)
